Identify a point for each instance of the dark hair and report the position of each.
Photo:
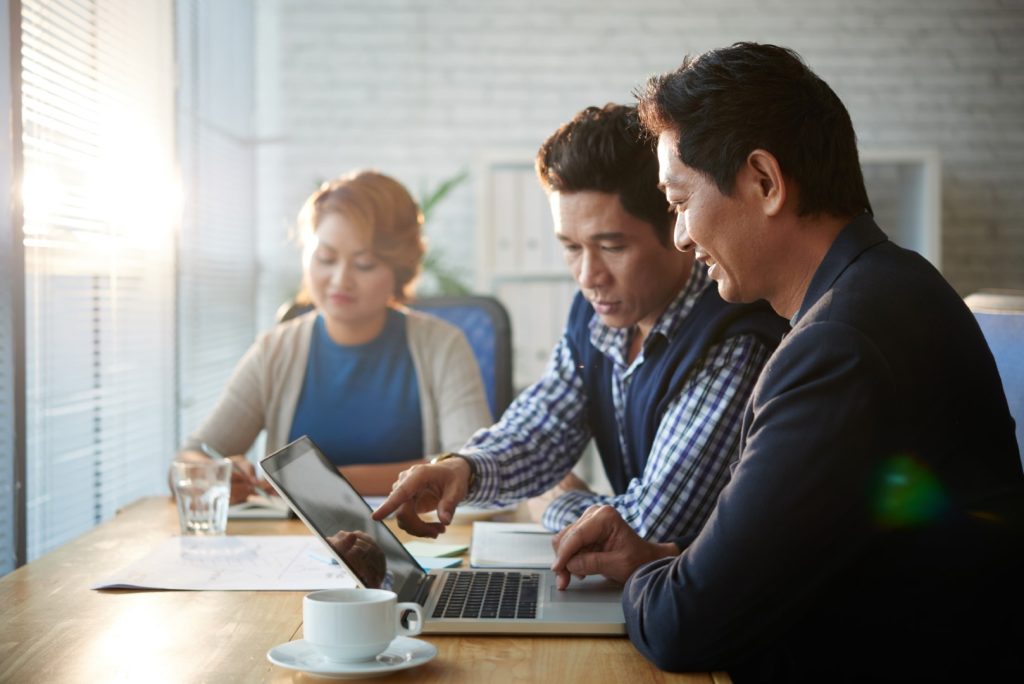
(604, 149)
(728, 102)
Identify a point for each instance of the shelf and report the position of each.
(520, 262)
(905, 188)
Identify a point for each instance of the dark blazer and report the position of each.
(872, 528)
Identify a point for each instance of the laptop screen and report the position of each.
(328, 503)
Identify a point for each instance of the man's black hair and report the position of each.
(726, 103)
(604, 149)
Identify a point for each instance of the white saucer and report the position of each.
(403, 653)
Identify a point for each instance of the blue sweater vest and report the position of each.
(657, 382)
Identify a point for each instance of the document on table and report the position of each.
(237, 563)
(428, 563)
(510, 545)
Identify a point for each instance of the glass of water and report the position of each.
(202, 490)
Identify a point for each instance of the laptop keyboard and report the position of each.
(488, 595)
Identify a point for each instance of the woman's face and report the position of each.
(347, 282)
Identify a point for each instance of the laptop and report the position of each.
(455, 601)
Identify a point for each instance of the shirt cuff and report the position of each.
(485, 489)
(567, 509)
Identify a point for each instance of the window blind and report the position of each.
(8, 543)
(11, 312)
(101, 207)
(8, 556)
(218, 263)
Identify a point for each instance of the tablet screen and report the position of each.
(333, 510)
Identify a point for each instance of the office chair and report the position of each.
(485, 323)
(1000, 313)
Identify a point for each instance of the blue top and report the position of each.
(361, 403)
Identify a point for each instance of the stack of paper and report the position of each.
(511, 545)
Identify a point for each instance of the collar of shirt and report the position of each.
(614, 342)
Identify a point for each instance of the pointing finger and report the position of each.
(396, 499)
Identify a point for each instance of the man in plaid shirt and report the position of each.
(653, 365)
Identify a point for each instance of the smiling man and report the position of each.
(873, 526)
(653, 365)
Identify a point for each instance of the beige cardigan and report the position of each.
(264, 389)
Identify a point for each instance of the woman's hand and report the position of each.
(243, 475)
(243, 479)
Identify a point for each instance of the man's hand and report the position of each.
(538, 504)
(437, 486)
(601, 543)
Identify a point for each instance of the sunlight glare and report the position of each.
(131, 195)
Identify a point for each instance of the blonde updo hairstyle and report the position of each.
(385, 209)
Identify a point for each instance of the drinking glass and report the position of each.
(202, 490)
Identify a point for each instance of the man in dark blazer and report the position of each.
(872, 528)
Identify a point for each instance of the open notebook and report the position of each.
(260, 508)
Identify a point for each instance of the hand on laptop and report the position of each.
(602, 543)
(423, 488)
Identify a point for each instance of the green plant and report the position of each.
(447, 279)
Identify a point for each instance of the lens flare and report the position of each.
(907, 493)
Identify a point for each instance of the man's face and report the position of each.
(722, 231)
(616, 258)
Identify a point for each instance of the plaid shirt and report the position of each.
(544, 431)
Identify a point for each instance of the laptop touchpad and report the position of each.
(593, 589)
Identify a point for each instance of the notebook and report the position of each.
(455, 601)
(511, 545)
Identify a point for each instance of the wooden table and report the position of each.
(53, 628)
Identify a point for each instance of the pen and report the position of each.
(216, 455)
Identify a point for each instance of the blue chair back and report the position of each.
(1000, 313)
(486, 324)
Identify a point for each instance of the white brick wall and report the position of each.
(421, 89)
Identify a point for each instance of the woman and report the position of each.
(377, 386)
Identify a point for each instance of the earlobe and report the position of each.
(771, 183)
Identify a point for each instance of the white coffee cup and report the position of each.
(348, 625)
